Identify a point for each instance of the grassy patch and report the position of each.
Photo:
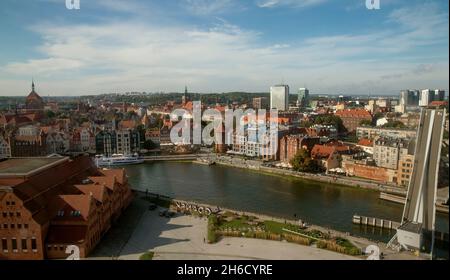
(212, 226)
(147, 256)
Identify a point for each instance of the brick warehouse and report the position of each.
(47, 204)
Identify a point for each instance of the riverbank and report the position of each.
(256, 165)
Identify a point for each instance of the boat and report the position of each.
(117, 159)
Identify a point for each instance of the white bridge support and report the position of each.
(418, 221)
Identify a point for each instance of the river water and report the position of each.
(316, 203)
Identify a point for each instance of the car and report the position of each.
(152, 206)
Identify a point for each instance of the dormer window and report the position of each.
(61, 213)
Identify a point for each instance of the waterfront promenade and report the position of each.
(183, 237)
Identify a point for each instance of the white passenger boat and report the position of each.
(117, 159)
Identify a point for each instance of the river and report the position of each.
(322, 204)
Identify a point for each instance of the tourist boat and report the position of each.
(117, 159)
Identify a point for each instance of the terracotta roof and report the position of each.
(365, 142)
(438, 103)
(78, 202)
(322, 151)
(40, 190)
(354, 113)
(97, 191)
(127, 124)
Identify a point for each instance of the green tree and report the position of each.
(329, 119)
(304, 163)
(366, 123)
(394, 124)
(50, 114)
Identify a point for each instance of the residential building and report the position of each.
(373, 132)
(387, 151)
(5, 149)
(128, 141)
(351, 118)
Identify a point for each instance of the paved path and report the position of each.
(182, 237)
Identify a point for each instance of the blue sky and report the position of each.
(330, 46)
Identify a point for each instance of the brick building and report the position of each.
(351, 118)
(291, 144)
(47, 204)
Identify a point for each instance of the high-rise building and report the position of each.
(429, 95)
(303, 97)
(279, 97)
(409, 97)
(260, 103)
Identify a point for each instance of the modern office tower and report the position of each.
(303, 97)
(426, 97)
(409, 100)
(279, 97)
(409, 97)
(429, 95)
(439, 95)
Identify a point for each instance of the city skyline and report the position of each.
(223, 46)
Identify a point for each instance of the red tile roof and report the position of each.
(353, 113)
(365, 142)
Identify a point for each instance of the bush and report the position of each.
(212, 224)
(147, 256)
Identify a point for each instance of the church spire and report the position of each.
(32, 84)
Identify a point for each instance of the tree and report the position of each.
(394, 124)
(304, 163)
(329, 119)
(50, 114)
(365, 123)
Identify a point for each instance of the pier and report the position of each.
(375, 222)
(401, 200)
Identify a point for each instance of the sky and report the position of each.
(329, 46)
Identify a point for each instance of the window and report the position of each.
(5, 214)
(14, 244)
(5, 226)
(7, 203)
(4, 245)
(19, 226)
(33, 244)
(17, 214)
(13, 226)
(25, 225)
(11, 214)
(13, 203)
(24, 244)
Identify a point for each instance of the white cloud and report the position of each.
(208, 7)
(136, 55)
(293, 3)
